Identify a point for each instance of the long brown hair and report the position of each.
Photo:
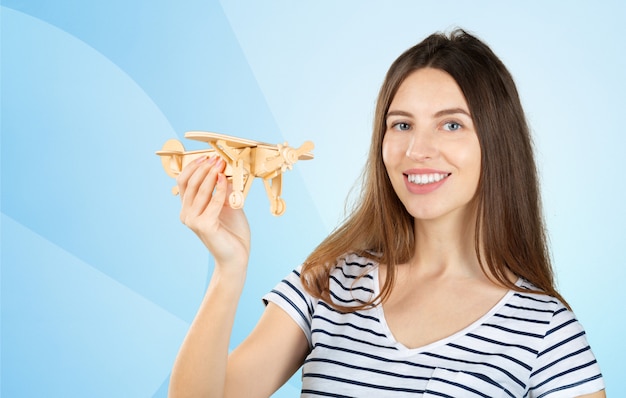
(510, 233)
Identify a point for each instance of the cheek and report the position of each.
(473, 163)
(385, 152)
(477, 159)
(390, 151)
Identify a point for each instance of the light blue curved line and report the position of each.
(156, 107)
(85, 270)
(70, 254)
(114, 68)
(252, 70)
(118, 67)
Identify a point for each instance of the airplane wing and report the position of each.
(237, 143)
(233, 142)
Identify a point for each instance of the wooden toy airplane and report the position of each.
(245, 160)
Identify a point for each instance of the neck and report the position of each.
(446, 247)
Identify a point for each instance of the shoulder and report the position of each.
(542, 321)
(531, 297)
(353, 266)
(554, 318)
(291, 295)
(561, 325)
(353, 280)
(563, 356)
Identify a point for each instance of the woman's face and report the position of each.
(430, 148)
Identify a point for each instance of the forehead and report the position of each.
(428, 90)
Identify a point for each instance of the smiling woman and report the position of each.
(430, 149)
(438, 284)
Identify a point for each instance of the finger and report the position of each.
(192, 199)
(205, 190)
(183, 178)
(218, 200)
(193, 183)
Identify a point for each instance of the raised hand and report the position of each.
(224, 231)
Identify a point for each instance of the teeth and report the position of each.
(423, 179)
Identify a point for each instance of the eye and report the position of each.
(452, 126)
(401, 126)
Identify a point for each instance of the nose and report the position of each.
(422, 146)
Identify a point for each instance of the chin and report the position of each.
(424, 214)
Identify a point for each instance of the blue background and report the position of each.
(100, 280)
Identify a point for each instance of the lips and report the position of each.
(423, 181)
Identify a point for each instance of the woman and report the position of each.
(438, 284)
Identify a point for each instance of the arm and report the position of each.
(263, 362)
(271, 354)
(203, 367)
(599, 394)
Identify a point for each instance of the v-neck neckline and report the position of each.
(380, 313)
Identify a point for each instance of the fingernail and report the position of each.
(213, 160)
(201, 159)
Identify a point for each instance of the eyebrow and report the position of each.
(443, 112)
(452, 111)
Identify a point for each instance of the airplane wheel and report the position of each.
(279, 207)
(236, 199)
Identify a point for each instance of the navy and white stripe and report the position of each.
(528, 345)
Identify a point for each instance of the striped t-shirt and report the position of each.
(527, 345)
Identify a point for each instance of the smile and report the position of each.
(423, 179)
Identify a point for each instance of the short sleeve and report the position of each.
(290, 295)
(566, 366)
